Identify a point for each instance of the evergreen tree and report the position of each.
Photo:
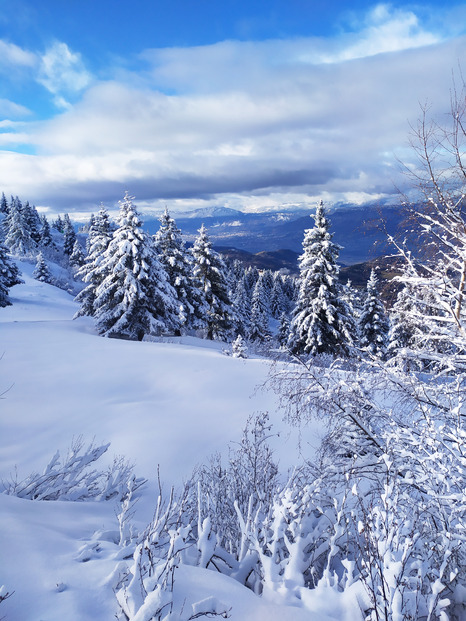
(91, 272)
(251, 277)
(46, 240)
(322, 322)
(4, 204)
(209, 270)
(58, 224)
(41, 271)
(283, 330)
(278, 301)
(33, 222)
(268, 279)
(402, 329)
(100, 225)
(290, 289)
(178, 266)
(9, 276)
(242, 307)
(259, 330)
(239, 348)
(77, 256)
(134, 297)
(373, 322)
(18, 237)
(90, 227)
(70, 235)
(235, 273)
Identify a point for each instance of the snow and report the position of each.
(160, 404)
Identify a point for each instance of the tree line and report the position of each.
(134, 285)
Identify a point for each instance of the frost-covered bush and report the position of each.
(74, 478)
(248, 480)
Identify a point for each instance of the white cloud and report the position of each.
(62, 72)
(385, 30)
(245, 124)
(13, 110)
(12, 55)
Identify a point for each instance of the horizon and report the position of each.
(235, 105)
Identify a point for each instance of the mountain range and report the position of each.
(274, 239)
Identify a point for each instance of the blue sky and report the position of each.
(253, 105)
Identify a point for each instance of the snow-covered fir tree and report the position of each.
(322, 321)
(134, 297)
(283, 330)
(33, 222)
(18, 237)
(251, 276)
(89, 227)
(4, 204)
(69, 235)
(401, 336)
(259, 329)
(41, 271)
(46, 240)
(77, 258)
(209, 270)
(91, 271)
(239, 348)
(278, 301)
(373, 322)
(178, 266)
(290, 289)
(58, 224)
(242, 307)
(9, 276)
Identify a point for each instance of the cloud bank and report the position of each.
(251, 125)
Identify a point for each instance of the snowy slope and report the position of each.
(167, 404)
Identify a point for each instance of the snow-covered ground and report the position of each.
(168, 405)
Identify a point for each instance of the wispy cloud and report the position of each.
(62, 72)
(384, 29)
(12, 55)
(12, 110)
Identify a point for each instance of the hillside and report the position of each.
(169, 404)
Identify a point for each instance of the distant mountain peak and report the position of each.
(211, 212)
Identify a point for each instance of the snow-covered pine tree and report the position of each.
(4, 204)
(9, 276)
(69, 235)
(91, 272)
(278, 301)
(178, 266)
(401, 336)
(322, 321)
(77, 258)
(259, 329)
(251, 276)
(41, 271)
(283, 332)
(58, 224)
(18, 236)
(33, 221)
(242, 307)
(239, 348)
(373, 322)
(134, 298)
(90, 227)
(209, 270)
(290, 289)
(46, 240)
